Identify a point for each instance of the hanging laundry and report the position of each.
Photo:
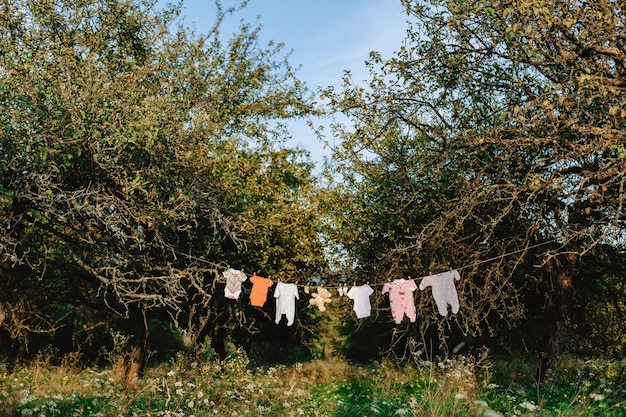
(286, 295)
(444, 291)
(344, 290)
(401, 299)
(361, 297)
(234, 278)
(320, 298)
(260, 286)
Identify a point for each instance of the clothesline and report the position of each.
(223, 265)
(400, 291)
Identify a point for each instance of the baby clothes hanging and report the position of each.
(401, 299)
(234, 278)
(286, 295)
(361, 297)
(444, 291)
(320, 298)
(260, 286)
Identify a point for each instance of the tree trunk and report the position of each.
(136, 357)
(554, 343)
(551, 351)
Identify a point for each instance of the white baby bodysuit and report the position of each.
(234, 278)
(444, 291)
(361, 297)
(286, 295)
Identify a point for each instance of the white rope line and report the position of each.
(226, 266)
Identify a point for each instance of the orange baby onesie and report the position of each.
(258, 294)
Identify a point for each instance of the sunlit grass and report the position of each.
(461, 386)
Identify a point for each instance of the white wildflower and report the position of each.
(178, 384)
(180, 391)
(171, 373)
(491, 413)
(460, 396)
(529, 406)
(191, 404)
(596, 397)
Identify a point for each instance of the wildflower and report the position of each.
(171, 373)
(610, 372)
(529, 406)
(491, 413)
(492, 386)
(178, 384)
(460, 396)
(401, 411)
(180, 391)
(191, 404)
(596, 397)
(200, 394)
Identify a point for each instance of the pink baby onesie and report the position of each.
(401, 299)
(361, 297)
(234, 278)
(444, 291)
(286, 295)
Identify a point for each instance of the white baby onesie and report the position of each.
(234, 278)
(444, 291)
(361, 297)
(286, 295)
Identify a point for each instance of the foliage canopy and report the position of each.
(139, 159)
(497, 129)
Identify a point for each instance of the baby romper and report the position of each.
(260, 286)
(401, 299)
(444, 291)
(361, 297)
(234, 278)
(286, 295)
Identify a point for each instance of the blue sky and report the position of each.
(326, 38)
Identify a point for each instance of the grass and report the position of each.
(462, 386)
